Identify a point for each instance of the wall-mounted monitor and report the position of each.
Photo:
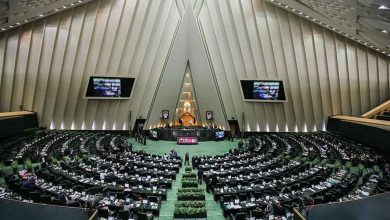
(263, 90)
(219, 134)
(109, 87)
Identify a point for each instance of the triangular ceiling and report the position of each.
(364, 21)
(188, 50)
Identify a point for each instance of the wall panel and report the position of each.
(45, 65)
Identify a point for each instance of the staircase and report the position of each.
(381, 112)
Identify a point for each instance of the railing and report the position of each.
(377, 110)
(362, 120)
(298, 215)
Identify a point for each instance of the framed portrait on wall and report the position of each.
(209, 115)
(164, 114)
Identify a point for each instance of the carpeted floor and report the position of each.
(214, 211)
(203, 148)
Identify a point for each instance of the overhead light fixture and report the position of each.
(41, 15)
(383, 7)
(3, 29)
(18, 23)
(56, 9)
(384, 31)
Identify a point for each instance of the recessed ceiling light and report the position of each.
(72, 4)
(64, 6)
(26, 20)
(300, 13)
(384, 31)
(56, 9)
(41, 15)
(82, 1)
(383, 7)
(18, 23)
(3, 29)
(11, 26)
(307, 16)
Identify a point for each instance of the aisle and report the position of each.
(214, 211)
(212, 148)
(167, 208)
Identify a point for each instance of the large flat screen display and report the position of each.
(263, 90)
(109, 87)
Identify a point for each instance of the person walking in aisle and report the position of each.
(187, 159)
(200, 176)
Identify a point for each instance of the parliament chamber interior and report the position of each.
(195, 109)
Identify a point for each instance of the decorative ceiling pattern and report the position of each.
(14, 13)
(365, 21)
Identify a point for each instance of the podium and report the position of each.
(186, 140)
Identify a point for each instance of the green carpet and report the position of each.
(212, 148)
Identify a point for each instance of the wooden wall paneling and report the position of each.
(236, 56)
(140, 17)
(124, 27)
(373, 79)
(45, 62)
(3, 40)
(87, 110)
(331, 58)
(156, 53)
(322, 70)
(65, 90)
(362, 69)
(21, 67)
(55, 70)
(293, 93)
(284, 111)
(114, 15)
(212, 29)
(312, 71)
(304, 85)
(383, 78)
(11, 48)
(244, 50)
(342, 75)
(353, 78)
(141, 51)
(77, 56)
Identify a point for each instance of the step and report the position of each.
(386, 113)
(383, 117)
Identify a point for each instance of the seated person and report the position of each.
(64, 199)
(279, 210)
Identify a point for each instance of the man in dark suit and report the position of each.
(200, 176)
(187, 159)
